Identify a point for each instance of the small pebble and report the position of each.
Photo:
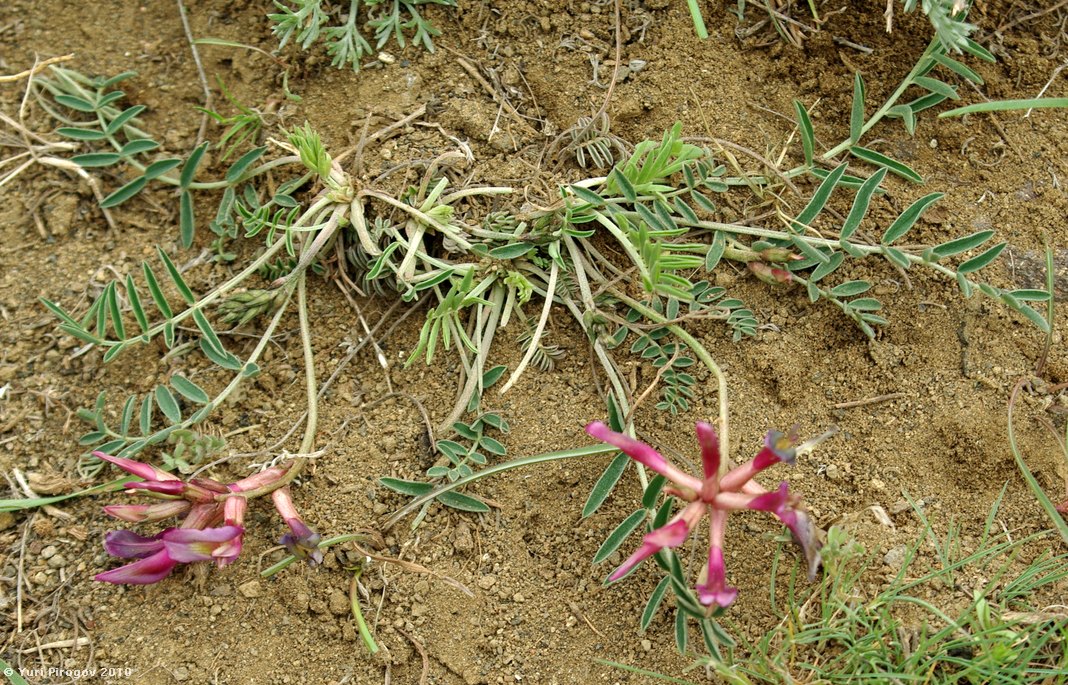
(895, 558)
(487, 581)
(251, 589)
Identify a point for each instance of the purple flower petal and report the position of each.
(140, 513)
(672, 534)
(774, 501)
(715, 591)
(127, 544)
(143, 572)
(203, 516)
(234, 510)
(709, 442)
(259, 480)
(137, 468)
(166, 487)
(302, 542)
(805, 533)
(186, 545)
(643, 454)
(778, 447)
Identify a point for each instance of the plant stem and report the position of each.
(577, 452)
(354, 600)
(535, 340)
(706, 359)
(922, 64)
(698, 19)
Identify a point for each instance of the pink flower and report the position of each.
(717, 497)
(158, 555)
(301, 541)
(212, 530)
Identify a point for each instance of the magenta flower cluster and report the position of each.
(716, 496)
(213, 527)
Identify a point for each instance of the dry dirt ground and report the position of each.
(539, 613)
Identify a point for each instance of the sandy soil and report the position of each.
(539, 613)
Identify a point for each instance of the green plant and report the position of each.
(844, 631)
(947, 18)
(306, 21)
(242, 127)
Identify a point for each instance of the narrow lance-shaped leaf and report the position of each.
(112, 297)
(861, 203)
(619, 535)
(96, 159)
(135, 303)
(190, 169)
(209, 333)
(808, 135)
(137, 147)
(958, 68)
(123, 118)
(124, 193)
(623, 183)
(968, 242)
(850, 288)
(127, 414)
(75, 103)
(81, 133)
(908, 218)
(168, 405)
(605, 484)
(856, 115)
(157, 169)
(681, 633)
(156, 291)
(654, 602)
(978, 262)
(819, 199)
(220, 358)
(176, 277)
(936, 86)
(189, 389)
(238, 169)
(186, 219)
(145, 417)
(882, 160)
(907, 116)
